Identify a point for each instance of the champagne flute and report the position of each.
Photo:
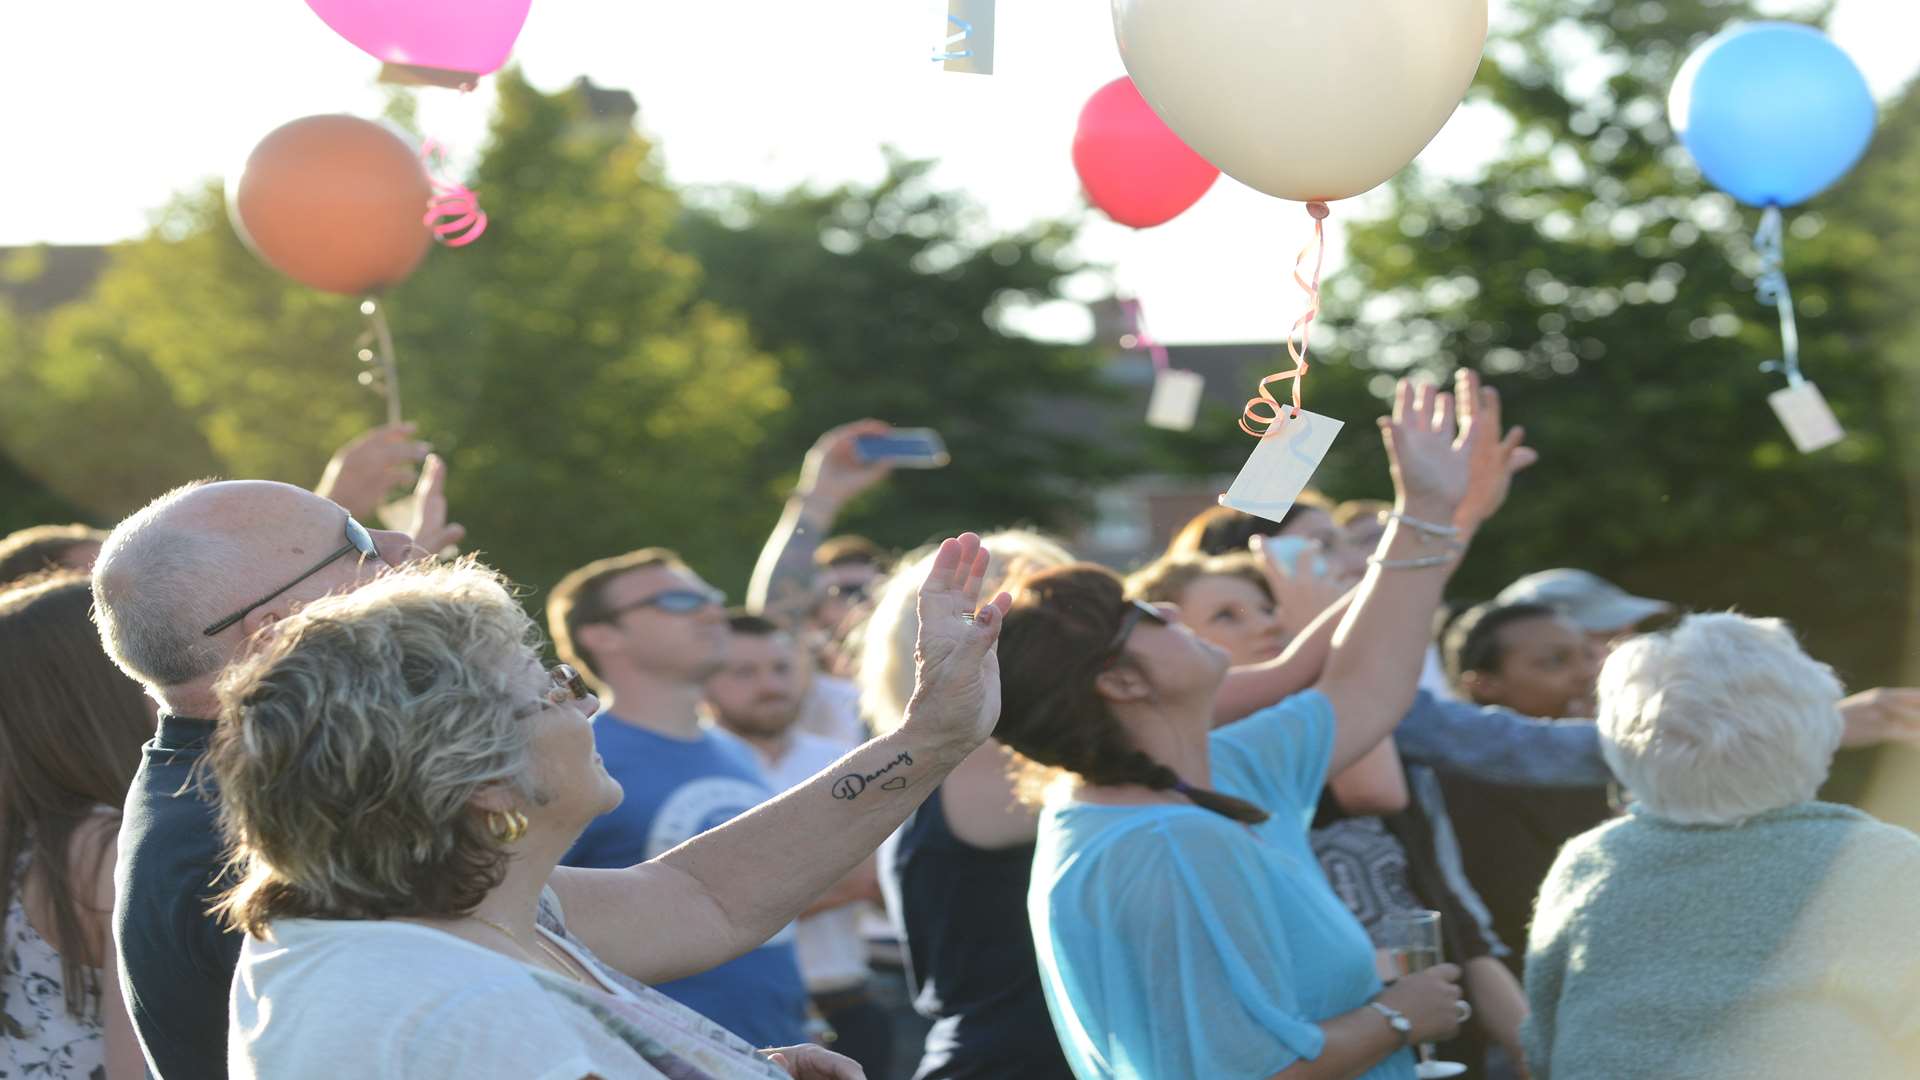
(1416, 946)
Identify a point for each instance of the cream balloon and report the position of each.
(1311, 100)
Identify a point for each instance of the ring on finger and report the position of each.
(1463, 1010)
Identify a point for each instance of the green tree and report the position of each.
(1606, 291)
(885, 300)
(588, 398)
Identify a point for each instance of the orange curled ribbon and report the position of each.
(1265, 409)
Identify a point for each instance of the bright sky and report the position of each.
(108, 106)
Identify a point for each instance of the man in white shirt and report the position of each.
(757, 697)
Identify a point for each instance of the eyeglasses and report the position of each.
(357, 540)
(567, 686)
(1130, 618)
(673, 602)
(852, 593)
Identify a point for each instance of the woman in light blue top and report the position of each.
(1182, 924)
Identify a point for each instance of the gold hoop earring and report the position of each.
(507, 826)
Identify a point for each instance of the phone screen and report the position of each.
(1284, 551)
(913, 448)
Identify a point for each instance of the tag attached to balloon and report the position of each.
(1281, 464)
(968, 43)
(1804, 412)
(1175, 403)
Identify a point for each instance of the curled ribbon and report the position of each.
(1137, 336)
(453, 213)
(1265, 402)
(1771, 288)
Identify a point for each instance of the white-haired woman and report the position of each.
(1731, 925)
(400, 776)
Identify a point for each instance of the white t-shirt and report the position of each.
(831, 710)
(832, 953)
(329, 998)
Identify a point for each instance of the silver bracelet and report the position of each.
(1418, 525)
(1422, 563)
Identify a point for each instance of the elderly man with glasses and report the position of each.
(179, 588)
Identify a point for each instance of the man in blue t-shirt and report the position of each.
(649, 633)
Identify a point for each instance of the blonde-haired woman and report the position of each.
(400, 776)
(1731, 924)
(955, 875)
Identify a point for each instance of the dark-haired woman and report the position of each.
(71, 727)
(1182, 924)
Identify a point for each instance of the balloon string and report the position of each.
(1772, 289)
(389, 368)
(453, 213)
(1258, 407)
(1138, 337)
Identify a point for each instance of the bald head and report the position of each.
(204, 551)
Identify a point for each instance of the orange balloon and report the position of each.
(335, 202)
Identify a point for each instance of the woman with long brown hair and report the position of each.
(71, 727)
(1182, 925)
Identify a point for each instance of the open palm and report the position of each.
(956, 693)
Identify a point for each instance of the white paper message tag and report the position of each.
(966, 44)
(1804, 413)
(1176, 399)
(1280, 466)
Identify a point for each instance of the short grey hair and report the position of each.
(151, 595)
(350, 745)
(887, 640)
(1719, 719)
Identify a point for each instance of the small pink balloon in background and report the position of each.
(1134, 168)
(448, 42)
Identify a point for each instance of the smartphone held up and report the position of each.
(904, 448)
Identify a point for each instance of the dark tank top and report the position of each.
(961, 912)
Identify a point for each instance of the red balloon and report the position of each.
(335, 202)
(1132, 165)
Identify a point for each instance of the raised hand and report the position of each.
(833, 472)
(1299, 594)
(1492, 456)
(1883, 714)
(956, 692)
(361, 473)
(430, 529)
(1428, 456)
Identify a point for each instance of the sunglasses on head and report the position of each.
(673, 602)
(1135, 611)
(358, 539)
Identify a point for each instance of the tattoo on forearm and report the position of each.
(851, 785)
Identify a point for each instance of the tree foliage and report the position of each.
(1596, 280)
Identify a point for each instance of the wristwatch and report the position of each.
(1395, 1020)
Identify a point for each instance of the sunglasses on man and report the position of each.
(358, 540)
(673, 601)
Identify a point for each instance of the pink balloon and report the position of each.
(1133, 166)
(471, 37)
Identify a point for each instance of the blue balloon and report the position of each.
(1773, 112)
